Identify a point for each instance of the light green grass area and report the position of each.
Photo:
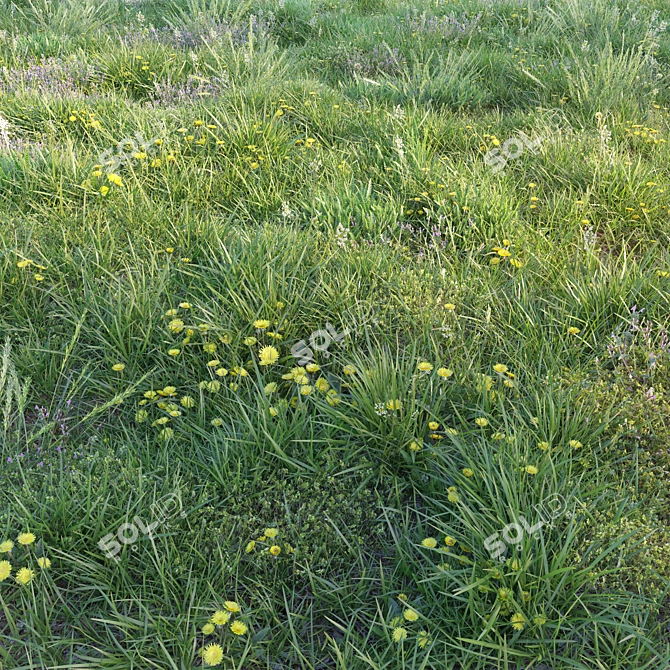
(345, 320)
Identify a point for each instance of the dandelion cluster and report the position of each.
(225, 625)
(402, 625)
(32, 564)
(268, 544)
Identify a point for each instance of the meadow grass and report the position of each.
(307, 310)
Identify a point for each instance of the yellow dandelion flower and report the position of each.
(500, 368)
(450, 307)
(301, 378)
(268, 356)
(261, 324)
(468, 472)
(209, 347)
(312, 367)
(238, 627)
(187, 402)
(449, 541)
(273, 411)
(270, 388)
(445, 373)
(185, 305)
(410, 615)
(174, 352)
(429, 542)
(573, 331)
(399, 634)
(531, 469)
(208, 629)
(24, 576)
(271, 532)
(114, 179)
(44, 562)
(212, 654)
(232, 606)
(5, 570)
(424, 366)
(275, 550)
(220, 618)
(217, 423)
(575, 444)
(481, 421)
(250, 547)
(25, 539)
(518, 621)
(423, 638)
(306, 390)
(249, 341)
(322, 385)
(349, 370)
(118, 367)
(433, 425)
(6, 546)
